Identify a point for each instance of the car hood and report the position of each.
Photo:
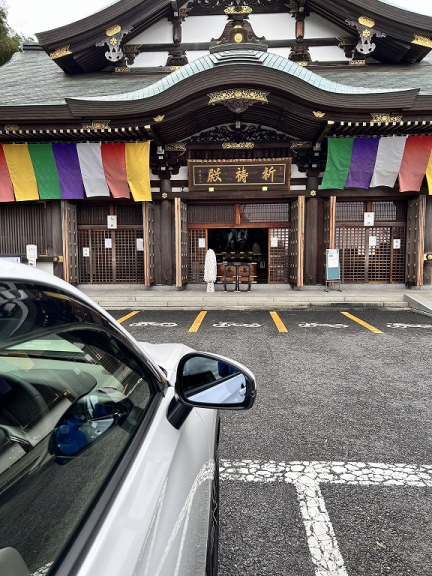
(167, 356)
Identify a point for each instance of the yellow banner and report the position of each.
(21, 171)
(138, 170)
(429, 174)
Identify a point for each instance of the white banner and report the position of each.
(388, 161)
(93, 175)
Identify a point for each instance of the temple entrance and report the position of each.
(371, 254)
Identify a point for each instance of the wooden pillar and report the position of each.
(164, 238)
(314, 222)
(427, 267)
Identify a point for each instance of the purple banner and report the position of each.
(362, 165)
(71, 183)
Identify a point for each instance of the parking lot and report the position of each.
(331, 472)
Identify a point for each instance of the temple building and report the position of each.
(134, 140)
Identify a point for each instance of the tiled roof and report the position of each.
(31, 77)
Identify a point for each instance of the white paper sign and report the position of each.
(201, 242)
(31, 251)
(108, 243)
(369, 218)
(112, 222)
(274, 242)
(372, 241)
(396, 244)
(86, 252)
(140, 244)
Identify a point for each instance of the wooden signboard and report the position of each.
(269, 174)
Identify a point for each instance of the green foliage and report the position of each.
(9, 40)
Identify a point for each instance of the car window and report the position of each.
(72, 395)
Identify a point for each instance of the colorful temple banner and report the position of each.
(114, 163)
(6, 186)
(45, 169)
(68, 171)
(371, 162)
(138, 170)
(21, 171)
(338, 162)
(90, 161)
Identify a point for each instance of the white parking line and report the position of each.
(307, 477)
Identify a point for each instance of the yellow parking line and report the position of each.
(279, 324)
(197, 323)
(365, 324)
(127, 316)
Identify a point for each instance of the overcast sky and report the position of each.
(31, 16)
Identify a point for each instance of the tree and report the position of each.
(9, 40)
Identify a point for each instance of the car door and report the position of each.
(94, 479)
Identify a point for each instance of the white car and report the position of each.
(108, 447)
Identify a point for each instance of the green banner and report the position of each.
(45, 169)
(338, 162)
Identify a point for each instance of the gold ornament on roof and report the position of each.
(176, 147)
(113, 30)
(237, 94)
(422, 41)
(366, 21)
(238, 38)
(302, 63)
(237, 145)
(11, 127)
(159, 118)
(174, 68)
(319, 114)
(239, 10)
(313, 192)
(385, 117)
(60, 52)
(113, 42)
(96, 125)
(122, 69)
(300, 144)
(357, 62)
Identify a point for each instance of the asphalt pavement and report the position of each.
(330, 473)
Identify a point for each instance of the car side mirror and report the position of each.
(211, 381)
(87, 420)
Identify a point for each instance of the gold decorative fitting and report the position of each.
(131, 48)
(239, 10)
(113, 42)
(176, 147)
(238, 38)
(346, 41)
(366, 33)
(357, 62)
(300, 144)
(302, 63)
(164, 195)
(113, 30)
(238, 145)
(174, 68)
(183, 12)
(319, 114)
(60, 52)
(122, 69)
(238, 94)
(384, 117)
(422, 41)
(159, 118)
(96, 125)
(366, 21)
(11, 127)
(313, 192)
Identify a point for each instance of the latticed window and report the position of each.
(265, 213)
(92, 214)
(22, 224)
(389, 211)
(350, 211)
(208, 214)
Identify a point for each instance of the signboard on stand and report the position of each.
(332, 267)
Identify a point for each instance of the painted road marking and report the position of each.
(165, 324)
(316, 325)
(228, 324)
(365, 324)
(277, 320)
(401, 325)
(123, 318)
(197, 322)
(307, 477)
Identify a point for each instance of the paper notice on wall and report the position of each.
(396, 244)
(108, 243)
(274, 242)
(372, 241)
(140, 244)
(201, 242)
(86, 252)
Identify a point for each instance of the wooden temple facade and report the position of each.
(135, 139)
